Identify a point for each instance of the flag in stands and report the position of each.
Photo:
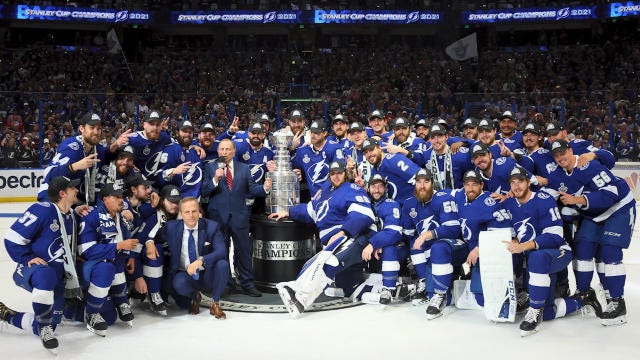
(463, 49)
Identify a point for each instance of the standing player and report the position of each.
(41, 243)
(254, 153)
(406, 143)
(445, 167)
(149, 143)
(340, 126)
(511, 137)
(180, 163)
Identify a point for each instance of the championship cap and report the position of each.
(376, 114)
(485, 124)
(90, 119)
(126, 150)
(478, 149)
(469, 123)
(60, 183)
(171, 193)
(45, 141)
(437, 129)
(421, 122)
(153, 116)
(553, 128)
(264, 118)
(186, 124)
(112, 189)
(257, 127)
(472, 175)
(356, 126)
(442, 122)
(136, 180)
(369, 143)
(340, 118)
(507, 115)
(532, 128)
(295, 114)
(377, 178)
(424, 174)
(400, 123)
(518, 172)
(317, 127)
(338, 166)
(206, 127)
(559, 147)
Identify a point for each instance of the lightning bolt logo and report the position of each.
(525, 230)
(318, 172)
(466, 231)
(152, 165)
(193, 175)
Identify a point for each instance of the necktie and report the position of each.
(191, 248)
(229, 178)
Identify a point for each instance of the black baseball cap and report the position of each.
(295, 114)
(559, 147)
(376, 114)
(485, 124)
(442, 122)
(257, 127)
(378, 178)
(518, 172)
(337, 166)
(340, 118)
(206, 127)
(437, 129)
(470, 123)
(532, 128)
(424, 174)
(153, 116)
(479, 148)
(369, 143)
(507, 115)
(90, 119)
(318, 127)
(265, 118)
(186, 124)
(112, 189)
(356, 126)
(421, 122)
(171, 193)
(136, 180)
(553, 128)
(400, 123)
(126, 150)
(472, 175)
(60, 183)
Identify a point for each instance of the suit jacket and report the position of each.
(211, 245)
(224, 202)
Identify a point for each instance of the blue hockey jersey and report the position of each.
(389, 231)
(461, 162)
(147, 153)
(499, 181)
(439, 215)
(99, 233)
(400, 173)
(257, 160)
(483, 213)
(315, 164)
(188, 182)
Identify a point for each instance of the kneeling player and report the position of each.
(537, 224)
(430, 219)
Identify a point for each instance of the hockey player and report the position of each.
(510, 137)
(406, 143)
(252, 152)
(343, 215)
(78, 157)
(478, 212)
(538, 227)
(313, 160)
(470, 129)
(421, 128)
(149, 280)
(487, 136)
(495, 172)
(340, 126)
(180, 163)
(357, 165)
(431, 223)
(105, 245)
(608, 211)
(445, 167)
(117, 170)
(586, 151)
(386, 244)
(378, 126)
(149, 143)
(398, 170)
(208, 142)
(42, 242)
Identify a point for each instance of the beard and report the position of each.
(185, 141)
(423, 195)
(255, 141)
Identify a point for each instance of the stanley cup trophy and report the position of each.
(280, 248)
(285, 191)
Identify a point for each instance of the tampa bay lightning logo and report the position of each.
(323, 210)
(257, 172)
(525, 230)
(56, 251)
(466, 231)
(122, 16)
(270, 17)
(563, 13)
(318, 172)
(193, 176)
(153, 164)
(427, 224)
(413, 17)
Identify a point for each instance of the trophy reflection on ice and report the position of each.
(285, 191)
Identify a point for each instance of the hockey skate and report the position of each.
(420, 297)
(96, 324)
(437, 303)
(156, 304)
(615, 313)
(522, 299)
(385, 296)
(6, 314)
(49, 340)
(589, 301)
(291, 303)
(125, 314)
(531, 322)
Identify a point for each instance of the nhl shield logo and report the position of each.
(54, 226)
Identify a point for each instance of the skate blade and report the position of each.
(434, 316)
(101, 333)
(524, 333)
(162, 313)
(287, 302)
(620, 320)
(420, 302)
(53, 351)
(129, 323)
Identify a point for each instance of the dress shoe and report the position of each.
(216, 311)
(194, 307)
(253, 292)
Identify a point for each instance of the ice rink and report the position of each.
(398, 331)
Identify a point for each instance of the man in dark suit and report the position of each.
(227, 182)
(199, 259)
